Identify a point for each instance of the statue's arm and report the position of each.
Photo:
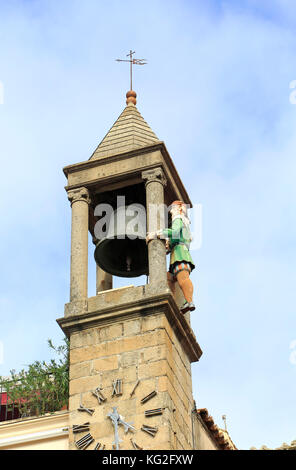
(167, 233)
(172, 234)
(176, 230)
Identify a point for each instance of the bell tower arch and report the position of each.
(130, 348)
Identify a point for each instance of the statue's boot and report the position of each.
(187, 306)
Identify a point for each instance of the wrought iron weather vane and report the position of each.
(132, 62)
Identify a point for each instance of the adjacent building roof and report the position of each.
(129, 132)
(284, 446)
(220, 436)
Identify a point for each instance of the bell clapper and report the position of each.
(128, 263)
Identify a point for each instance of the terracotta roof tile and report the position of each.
(221, 437)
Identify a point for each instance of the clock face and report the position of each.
(125, 434)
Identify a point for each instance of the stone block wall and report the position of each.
(143, 348)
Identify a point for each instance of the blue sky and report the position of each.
(216, 90)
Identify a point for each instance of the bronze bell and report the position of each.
(123, 251)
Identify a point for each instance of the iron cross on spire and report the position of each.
(132, 62)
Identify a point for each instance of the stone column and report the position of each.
(104, 280)
(155, 182)
(80, 200)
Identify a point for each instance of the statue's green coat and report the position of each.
(179, 239)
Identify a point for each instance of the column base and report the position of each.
(76, 307)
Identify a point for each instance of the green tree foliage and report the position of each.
(41, 388)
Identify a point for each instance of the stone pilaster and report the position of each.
(155, 182)
(80, 200)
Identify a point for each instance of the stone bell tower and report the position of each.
(130, 348)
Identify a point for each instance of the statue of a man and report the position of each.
(178, 243)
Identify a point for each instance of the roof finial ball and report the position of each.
(131, 97)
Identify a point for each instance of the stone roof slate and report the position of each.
(129, 132)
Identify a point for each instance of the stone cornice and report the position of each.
(141, 303)
(114, 158)
(110, 159)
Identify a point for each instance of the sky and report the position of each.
(216, 90)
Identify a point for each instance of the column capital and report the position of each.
(79, 194)
(154, 175)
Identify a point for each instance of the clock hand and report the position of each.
(116, 440)
(127, 426)
(114, 416)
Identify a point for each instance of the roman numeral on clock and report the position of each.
(90, 411)
(80, 427)
(97, 393)
(149, 430)
(133, 390)
(135, 445)
(148, 397)
(84, 442)
(156, 411)
(99, 446)
(117, 387)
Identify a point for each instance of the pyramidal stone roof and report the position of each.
(129, 132)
